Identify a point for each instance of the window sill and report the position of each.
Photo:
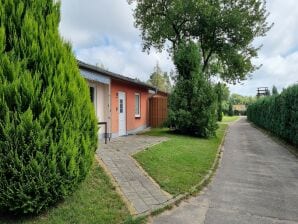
(137, 116)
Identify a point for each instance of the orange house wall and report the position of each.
(131, 121)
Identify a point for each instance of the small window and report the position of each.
(121, 106)
(137, 105)
(92, 94)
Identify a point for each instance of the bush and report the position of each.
(278, 114)
(218, 90)
(48, 130)
(230, 112)
(192, 104)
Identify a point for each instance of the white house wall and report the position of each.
(103, 105)
(101, 83)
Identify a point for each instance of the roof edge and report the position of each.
(114, 75)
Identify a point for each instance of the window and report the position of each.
(92, 94)
(137, 105)
(93, 97)
(121, 106)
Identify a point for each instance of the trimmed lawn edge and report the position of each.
(117, 188)
(196, 190)
(147, 174)
(291, 148)
(231, 122)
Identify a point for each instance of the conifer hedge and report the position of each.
(48, 131)
(278, 114)
(192, 103)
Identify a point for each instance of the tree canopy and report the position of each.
(224, 30)
(160, 79)
(274, 90)
(238, 99)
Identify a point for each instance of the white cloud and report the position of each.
(279, 55)
(276, 70)
(96, 19)
(283, 35)
(103, 32)
(131, 62)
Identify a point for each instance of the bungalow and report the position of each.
(120, 102)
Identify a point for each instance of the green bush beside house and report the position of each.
(48, 130)
(192, 103)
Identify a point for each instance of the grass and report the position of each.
(96, 201)
(181, 162)
(228, 119)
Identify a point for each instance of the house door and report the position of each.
(122, 113)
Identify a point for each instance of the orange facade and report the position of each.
(133, 122)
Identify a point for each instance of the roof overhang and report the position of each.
(94, 73)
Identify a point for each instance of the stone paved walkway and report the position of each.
(135, 185)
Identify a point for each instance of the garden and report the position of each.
(48, 126)
(181, 163)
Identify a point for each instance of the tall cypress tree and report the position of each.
(47, 122)
(219, 93)
(192, 104)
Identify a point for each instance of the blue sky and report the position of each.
(102, 31)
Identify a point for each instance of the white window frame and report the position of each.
(138, 115)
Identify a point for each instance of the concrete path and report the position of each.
(136, 186)
(257, 182)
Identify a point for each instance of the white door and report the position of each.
(122, 113)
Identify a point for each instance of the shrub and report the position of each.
(47, 122)
(230, 112)
(192, 104)
(278, 114)
(218, 90)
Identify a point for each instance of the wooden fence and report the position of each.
(158, 111)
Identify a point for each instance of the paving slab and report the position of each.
(139, 189)
(256, 182)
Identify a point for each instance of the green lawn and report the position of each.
(95, 202)
(181, 162)
(228, 119)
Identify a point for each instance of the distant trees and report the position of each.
(274, 90)
(223, 94)
(160, 79)
(239, 99)
(219, 93)
(230, 110)
(235, 99)
(102, 66)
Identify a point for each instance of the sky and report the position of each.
(103, 32)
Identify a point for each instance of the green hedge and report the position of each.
(278, 114)
(48, 128)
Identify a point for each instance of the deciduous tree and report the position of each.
(160, 79)
(224, 29)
